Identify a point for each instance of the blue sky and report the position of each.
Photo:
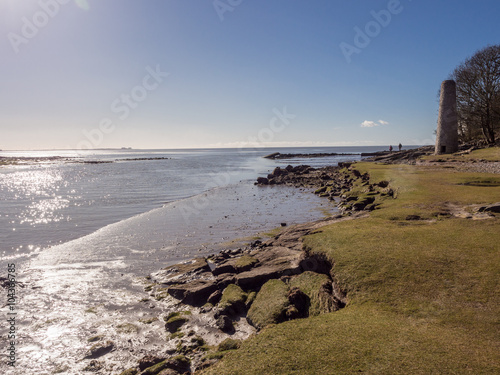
(230, 73)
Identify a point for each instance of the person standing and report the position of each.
(390, 148)
(400, 146)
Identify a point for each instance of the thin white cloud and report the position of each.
(372, 124)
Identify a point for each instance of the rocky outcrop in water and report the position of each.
(278, 155)
(352, 189)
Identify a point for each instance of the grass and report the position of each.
(245, 262)
(310, 284)
(232, 295)
(269, 304)
(423, 296)
(488, 154)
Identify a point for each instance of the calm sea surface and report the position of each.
(54, 202)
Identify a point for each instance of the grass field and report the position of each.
(423, 295)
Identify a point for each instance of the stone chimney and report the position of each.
(447, 128)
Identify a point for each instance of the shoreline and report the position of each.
(207, 283)
(200, 341)
(209, 314)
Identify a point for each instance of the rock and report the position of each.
(370, 207)
(225, 324)
(272, 156)
(233, 301)
(173, 324)
(358, 206)
(194, 293)
(179, 364)
(413, 217)
(258, 276)
(262, 181)
(278, 172)
(148, 361)
(495, 208)
(93, 366)
(226, 267)
(168, 371)
(215, 297)
(100, 349)
(183, 273)
(321, 190)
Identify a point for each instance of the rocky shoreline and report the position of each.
(225, 298)
(344, 184)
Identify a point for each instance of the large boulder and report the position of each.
(194, 293)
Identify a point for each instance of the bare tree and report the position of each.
(478, 94)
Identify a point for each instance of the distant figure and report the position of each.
(400, 146)
(390, 148)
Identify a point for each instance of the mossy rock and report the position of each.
(270, 304)
(310, 283)
(250, 298)
(173, 324)
(321, 190)
(100, 349)
(130, 371)
(175, 314)
(245, 263)
(148, 320)
(179, 363)
(233, 300)
(95, 338)
(156, 369)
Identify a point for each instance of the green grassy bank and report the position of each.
(423, 295)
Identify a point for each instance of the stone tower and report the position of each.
(447, 128)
